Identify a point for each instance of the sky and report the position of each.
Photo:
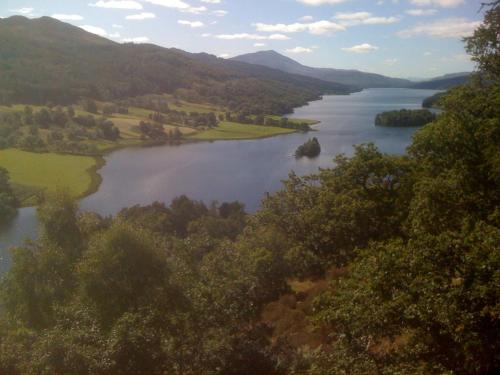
(399, 38)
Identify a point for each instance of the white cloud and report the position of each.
(444, 28)
(241, 36)
(193, 24)
(298, 50)
(320, 2)
(206, 35)
(67, 17)
(117, 4)
(354, 16)
(223, 55)
(139, 39)
(179, 5)
(315, 28)
(248, 36)
(259, 44)
(211, 1)
(361, 48)
(94, 30)
(220, 13)
(391, 62)
(421, 12)
(116, 26)
(363, 18)
(114, 35)
(24, 10)
(141, 16)
(440, 3)
(194, 10)
(306, 19)
(278, 37)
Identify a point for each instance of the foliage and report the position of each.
(434, 100)
(56, 129)
(405, 118)
(311, 149)
(8, 201)
(484, 44)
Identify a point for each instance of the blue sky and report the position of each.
(401, 38)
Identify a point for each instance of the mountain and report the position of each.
(44, 60)
(443, 82)
(357, 78)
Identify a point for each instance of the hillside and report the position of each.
(443, 82)
(47, 61)
(357, 78)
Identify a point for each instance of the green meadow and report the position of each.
(34, 173)
(232, 130)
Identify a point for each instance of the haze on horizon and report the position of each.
(399, 38)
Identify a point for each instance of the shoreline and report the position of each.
(100, 158)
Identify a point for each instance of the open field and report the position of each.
(232, 130)
(32, 173)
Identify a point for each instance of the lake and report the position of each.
(237, 170)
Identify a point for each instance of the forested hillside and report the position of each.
(45, 61)
(406, 250)
(443, 83)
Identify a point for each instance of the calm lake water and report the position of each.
(236, 170)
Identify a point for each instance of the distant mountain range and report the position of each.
(273, 59)
(443, 82)
(45, 61)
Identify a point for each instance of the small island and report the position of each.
(311, 149)
(405, 118)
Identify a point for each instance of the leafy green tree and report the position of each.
(90, 106)
(483, 45)
(122, 271)
(431, 301)
(8, 201)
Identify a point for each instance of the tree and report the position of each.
(8, 201)
(122, 271)
(90, 106)
(428, 303)
(42, 118)
(484, 44)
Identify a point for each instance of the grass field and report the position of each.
(231, 130)
(32, 173)
(295, 120)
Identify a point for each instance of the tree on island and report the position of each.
(310, 149)
(405, 118)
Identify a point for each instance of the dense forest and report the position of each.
(406, 248)
(34, 70)
(405, 118)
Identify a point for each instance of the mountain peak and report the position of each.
(269, 58)
(48, 29)
(275, 60)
